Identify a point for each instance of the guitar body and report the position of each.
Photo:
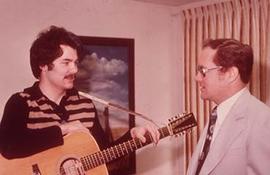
(52, 161)
(80, 154)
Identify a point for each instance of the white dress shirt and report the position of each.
(223, 109)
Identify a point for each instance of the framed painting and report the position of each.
(107, 72)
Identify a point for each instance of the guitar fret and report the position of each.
(161, 131)
(109, 154)
(121, 148)
(114, 149)
(117, 151)
(135, 145)
(92, 158)
(141, 144)
(98, 159)
(87, 163)
(114, 152)
(92, 161)
(106, 156)
(164, 132)
(95, 160)
(101, 158)
(130, 145)
(125, 145)
(83, 163)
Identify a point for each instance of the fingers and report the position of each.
(140, 132)
(154, 133)
(142, 138)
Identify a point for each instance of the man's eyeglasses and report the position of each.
(204, 70)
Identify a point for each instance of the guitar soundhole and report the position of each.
(71, 166)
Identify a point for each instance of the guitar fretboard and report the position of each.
(117, 151)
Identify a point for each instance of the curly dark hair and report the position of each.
(231, 52)
(46, 48)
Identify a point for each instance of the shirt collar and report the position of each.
(224, 107)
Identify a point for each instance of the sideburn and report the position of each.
(50, 66)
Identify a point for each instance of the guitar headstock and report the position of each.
(181, 123)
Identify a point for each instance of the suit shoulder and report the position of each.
(258, 106)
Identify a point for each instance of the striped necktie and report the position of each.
(206, 146)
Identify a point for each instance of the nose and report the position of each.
(74, 68)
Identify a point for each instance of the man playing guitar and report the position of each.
(39, 117)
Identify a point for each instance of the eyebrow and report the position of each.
(69, 59)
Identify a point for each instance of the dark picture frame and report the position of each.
(107, 72)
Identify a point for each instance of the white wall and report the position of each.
(155, 29)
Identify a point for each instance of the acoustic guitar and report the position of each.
(80, 154)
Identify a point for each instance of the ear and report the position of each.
(232, 74)
(43, 68)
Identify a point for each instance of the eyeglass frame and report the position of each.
(203, 70)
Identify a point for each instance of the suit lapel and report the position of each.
(232, 127)
(194, 161)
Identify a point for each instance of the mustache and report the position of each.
(70, 76)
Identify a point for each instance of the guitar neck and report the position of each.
(117, 151)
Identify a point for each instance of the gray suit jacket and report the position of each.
(242, 145)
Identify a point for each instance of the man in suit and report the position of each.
(239, 140)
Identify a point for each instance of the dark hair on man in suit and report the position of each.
(231, 52)
(46, 48)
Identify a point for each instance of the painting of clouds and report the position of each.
(105, 72)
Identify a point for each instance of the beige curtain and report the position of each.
(244, 20)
